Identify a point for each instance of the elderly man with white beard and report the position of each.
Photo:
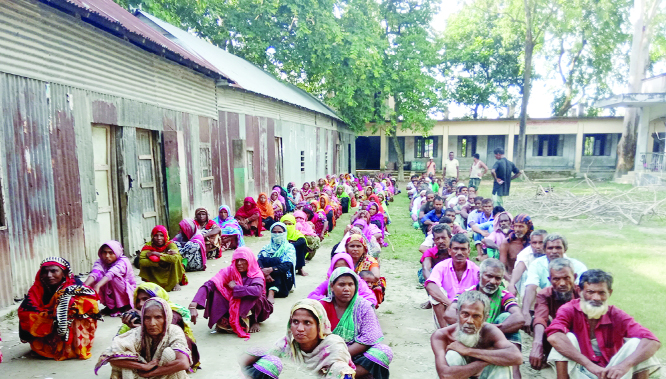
(592, 339)
(504, 310)
(472, 347)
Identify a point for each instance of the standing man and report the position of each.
(502, 171)
(431, 167)
(451, 170)
(478, 170)
(592, 339)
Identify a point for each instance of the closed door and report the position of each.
(101, 136)
(493, 143)
(147, 180)
(278, 160)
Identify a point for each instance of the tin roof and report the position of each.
(242, 73)
(112, 18)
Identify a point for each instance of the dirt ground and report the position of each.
(407, 328)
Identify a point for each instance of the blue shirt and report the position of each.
(431, 216)
(538, 272)
(479, 218)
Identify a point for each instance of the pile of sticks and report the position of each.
(609, 206)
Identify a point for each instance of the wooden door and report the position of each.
(102, 152)
(148, 182)
(278, 161)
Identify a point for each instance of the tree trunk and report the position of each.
(519, 159)
(626, 148)
(398, 152)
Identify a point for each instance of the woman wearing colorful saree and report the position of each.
(157, 349)
(353, 318)
(266, 208)
(318, 219)
(324, 205)
(278, 204)
(191, 245)
(160, 261)
(249, 217)
(356, 247)
(368, 192)
(231, 236)
(277, 261)
(112, 277)
(297, 239)
(210, 231)
(180, 316)
(59, 315)
(312, 240)
(235, 298)
(309, 343)
(342, 260)
(306, 191)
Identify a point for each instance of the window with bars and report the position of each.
(550, 145)
(596, 144)
(326, 162)
(466, 146)
(250, 164)
(205, 163)
(302, 161)
(425, 147)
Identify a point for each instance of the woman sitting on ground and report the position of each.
(156, 349)
(356, 247)
(277, 261)
(59, 315)
(353, 318)
(306, 191)
(180, 316)
(325, 207)
(342, 260)
(296, 238)
(317, 218)
(369, 191)
(284, 198)
(249, 217)
(267, 213)
(161, 263)
(191, 245)
(312, 240)
(112, 277)
(278, 204)
(309, 343)
(210, 231)
(231, 236)
(371, 232)
(235, 298)
(296, 195)
(377, 219)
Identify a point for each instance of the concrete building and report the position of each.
(109, 126)
(555, 144)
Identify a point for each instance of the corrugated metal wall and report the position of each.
(55, 47)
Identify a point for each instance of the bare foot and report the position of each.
(254, 328)
(426, 305)
(177, 288)
(271, 297)
(302, 273)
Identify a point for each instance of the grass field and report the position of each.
(635, 255)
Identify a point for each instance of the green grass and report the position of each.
(635, 255)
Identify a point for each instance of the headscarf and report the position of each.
(279, 199)
(327, 203)
(39, 318)
(149, 245)
(496, 220)
(209, 224)
(265, 208)
(345, 327)
(375, 199)
(527, 220)
(363, 290)
(229, 273)
(303, 226)
(280, 248)
(230, 225)
(296, 195)
(136, 344)
(189, 228)
(367, 229)
(100, 268)
(343, 194)
(247, 211)
(293, 234)
(155, 290)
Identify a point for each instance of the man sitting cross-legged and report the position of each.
(442, 236)
(451, 277)
(504, 309)
(472, 347)
(592, 339)
(562, 290)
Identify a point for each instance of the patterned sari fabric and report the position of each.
(359, 324)
(61, 326)
(229, 226)
(367, 263)
(169, 270)
(193, 247)
(330, 359)
(137, 345)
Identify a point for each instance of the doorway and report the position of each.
(148, 181)
(279, 174)
(105, 189)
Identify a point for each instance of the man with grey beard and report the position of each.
(562, 290)
(472, 347)
(504, 310)
(592, 339)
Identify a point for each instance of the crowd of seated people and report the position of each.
(524, 281)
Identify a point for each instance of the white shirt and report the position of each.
(451, 167)
(429, 240)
